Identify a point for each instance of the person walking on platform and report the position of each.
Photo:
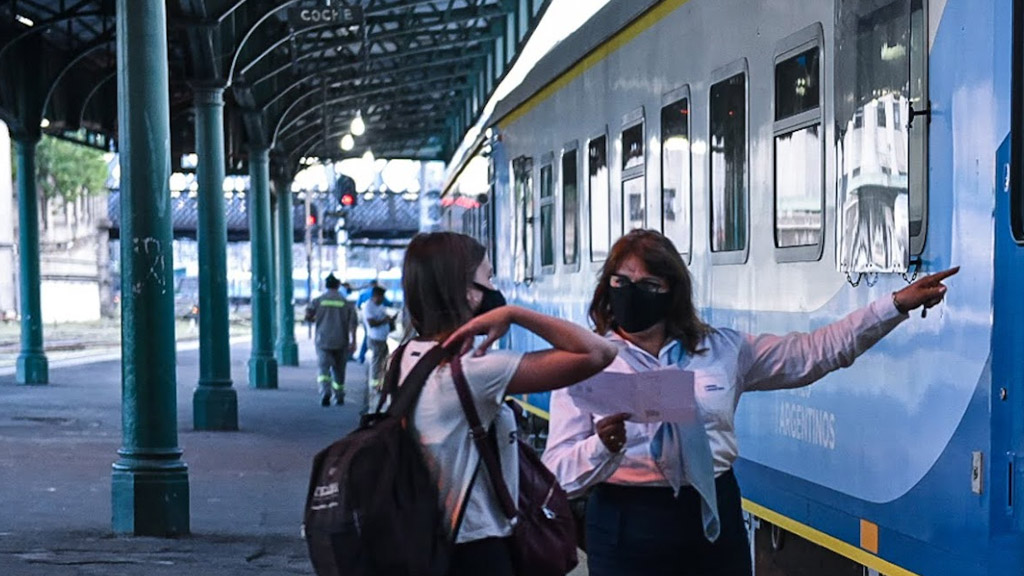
(662, 496)
(378, 326)
(450, 299)
(364, 297)
(336, 321)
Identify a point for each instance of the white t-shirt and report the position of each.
(374, 311)
(442, 429)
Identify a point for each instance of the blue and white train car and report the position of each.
(806, 157)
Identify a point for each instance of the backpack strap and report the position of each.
(488, 453)
(404, 398)
(390, 385)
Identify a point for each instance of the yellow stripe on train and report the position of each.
(531, 408)
(620, 39)
(824, 540)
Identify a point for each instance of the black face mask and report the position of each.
(636, 310)
(492, 299)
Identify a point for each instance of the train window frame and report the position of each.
(738, 67)
(492, 210)
(523, 227)
(910, 118)
(571, 147)
(673, 98)
(805, 40)
(630, 121)
(547, 201)
(590, 197)
(918, 141)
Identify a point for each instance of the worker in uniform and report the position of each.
(336, 321)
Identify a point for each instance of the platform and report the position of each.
(57, 444)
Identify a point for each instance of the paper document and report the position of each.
(664, 395)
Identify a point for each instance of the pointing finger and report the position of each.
(940, 276)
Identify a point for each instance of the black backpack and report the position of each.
(373, 505)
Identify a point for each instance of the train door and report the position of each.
(1008, 324)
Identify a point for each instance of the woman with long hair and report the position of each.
(662, 496)
(450, 298)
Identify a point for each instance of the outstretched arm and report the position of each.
(577, 353)
(770, 362)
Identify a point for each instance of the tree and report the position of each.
(69, 171)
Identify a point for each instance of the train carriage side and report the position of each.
(910, 461)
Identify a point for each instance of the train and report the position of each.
(806, 157)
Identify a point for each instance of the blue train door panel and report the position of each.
(1008, 315)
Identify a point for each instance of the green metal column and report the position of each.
(32, 365)
(150, 481)
(273, 265)
(214, 403)
(262, 366)
(287, 348)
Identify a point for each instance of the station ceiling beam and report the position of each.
(397, 63)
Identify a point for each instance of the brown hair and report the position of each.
(436, 275)
(661, 259)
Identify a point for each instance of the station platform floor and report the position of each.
(247, 488)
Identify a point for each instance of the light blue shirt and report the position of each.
(733, 363)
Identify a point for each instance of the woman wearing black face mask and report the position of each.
(446, 278)
(662, 496)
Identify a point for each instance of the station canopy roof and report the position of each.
(296, 72)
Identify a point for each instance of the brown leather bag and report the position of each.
(544, 533)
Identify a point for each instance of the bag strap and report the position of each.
(390, 384)
(404, 398)
(480, 436)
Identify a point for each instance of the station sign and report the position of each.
(305, 15)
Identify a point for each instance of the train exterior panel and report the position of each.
(910, 461)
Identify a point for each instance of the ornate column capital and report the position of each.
(208, 92)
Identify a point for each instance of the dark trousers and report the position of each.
(639, 531)
(331, 365)
(486, 557)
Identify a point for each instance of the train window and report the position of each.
(675, 170)
(570, 207)
(918, 130)
(634, 199)
(633, 147)
(547, 216)
(798, 81)
(492, 214)
(634, 192)
(522, 174)
(600, 217)
(881, 132)
(799, 153)
(728, 174)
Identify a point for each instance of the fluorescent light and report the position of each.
(26, 21)
(347, 142)
(358, 126)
